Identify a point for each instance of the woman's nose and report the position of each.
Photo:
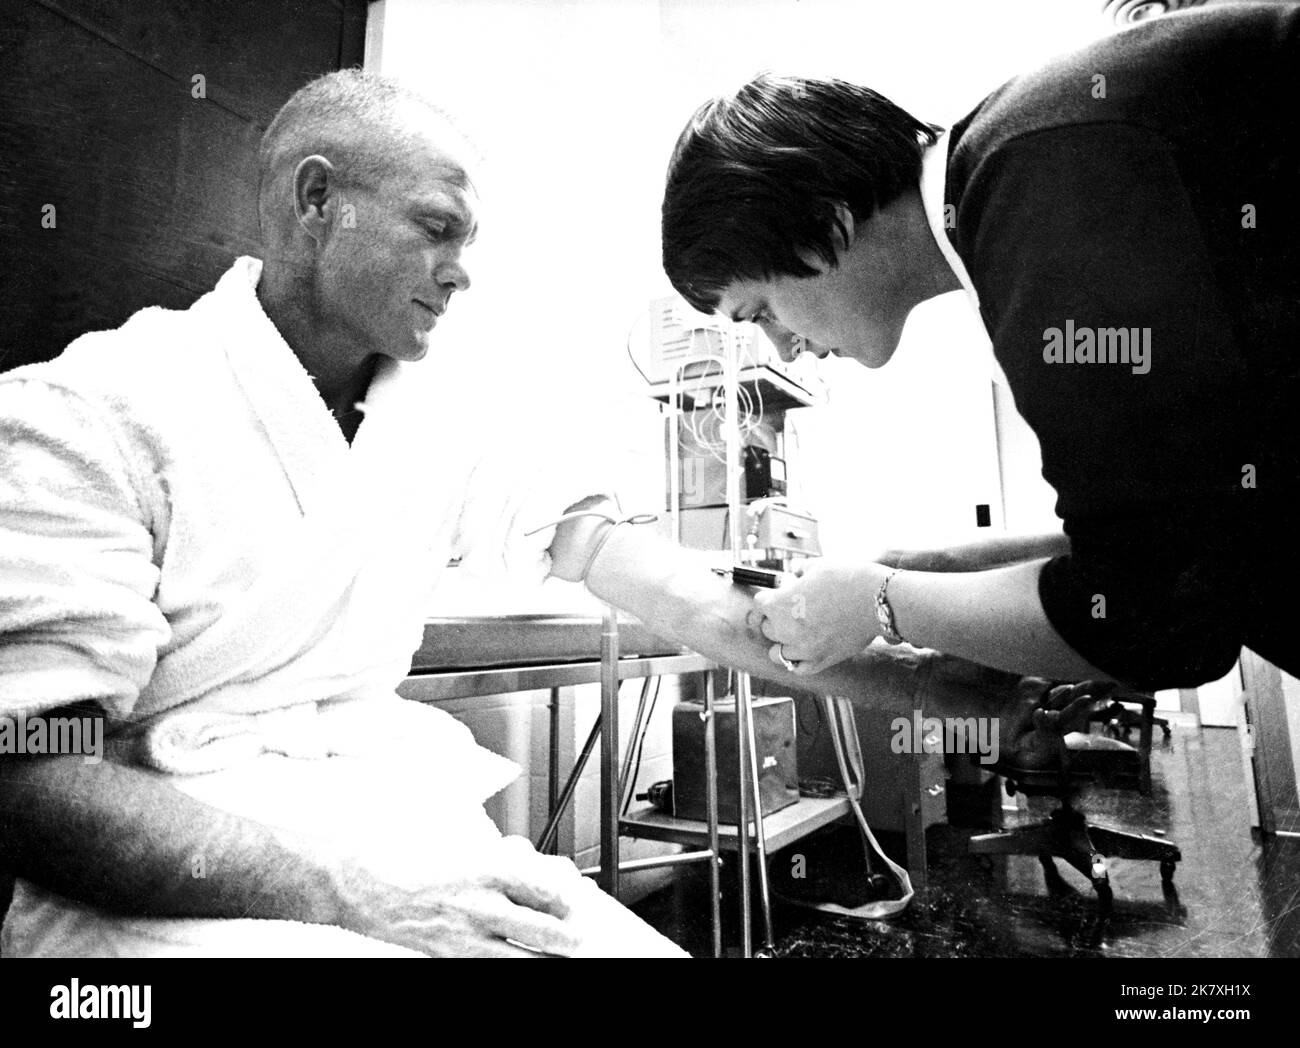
(787, 344)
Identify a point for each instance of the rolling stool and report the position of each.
(1067, 834)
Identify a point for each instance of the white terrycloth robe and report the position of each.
(187, 538)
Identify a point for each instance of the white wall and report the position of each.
(1028, 500)
(902, 455)
(576, 106)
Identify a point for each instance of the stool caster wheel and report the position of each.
(764, 952)
(879, 883)
(1167, 868)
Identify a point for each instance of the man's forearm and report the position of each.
(123, 839)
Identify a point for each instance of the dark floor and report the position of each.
(1235, 894)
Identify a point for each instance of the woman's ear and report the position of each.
(845, 219)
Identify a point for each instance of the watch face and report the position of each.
(885, 616)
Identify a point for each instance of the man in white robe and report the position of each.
(211, 532)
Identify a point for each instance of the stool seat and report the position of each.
(1087, 760)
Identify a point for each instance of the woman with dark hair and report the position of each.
(1121, 220)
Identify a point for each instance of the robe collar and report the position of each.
(283, 395)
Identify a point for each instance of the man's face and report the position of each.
(856, 309)
(392, 260)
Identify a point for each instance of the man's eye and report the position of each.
(434, 230)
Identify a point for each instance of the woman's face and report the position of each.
(856, 309)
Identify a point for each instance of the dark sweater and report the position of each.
(1176, 473)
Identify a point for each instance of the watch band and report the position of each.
(885, 612)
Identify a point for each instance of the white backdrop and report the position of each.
(576, 106)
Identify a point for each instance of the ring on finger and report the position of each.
(780, 657)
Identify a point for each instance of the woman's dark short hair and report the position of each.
(756, 177)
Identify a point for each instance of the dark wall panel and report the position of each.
(153, 189)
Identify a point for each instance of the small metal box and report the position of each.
(782, 530)
(774, 742)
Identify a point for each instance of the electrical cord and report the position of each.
(630, 355)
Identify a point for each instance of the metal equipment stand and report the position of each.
(614, 787)
(745, 748)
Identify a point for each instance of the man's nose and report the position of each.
(451, 273)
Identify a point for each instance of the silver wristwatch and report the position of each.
(885, 613)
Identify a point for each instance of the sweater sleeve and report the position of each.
(1084, 242)
(77, 572)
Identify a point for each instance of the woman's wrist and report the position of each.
(883, 597)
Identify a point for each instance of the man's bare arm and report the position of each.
(125, 840)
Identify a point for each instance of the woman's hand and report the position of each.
(824, 616)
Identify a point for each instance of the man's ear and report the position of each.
(315, 192)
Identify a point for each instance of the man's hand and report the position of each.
(824, 616)
(124, 839)
(474, 906)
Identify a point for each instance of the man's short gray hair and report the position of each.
(361, 122)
